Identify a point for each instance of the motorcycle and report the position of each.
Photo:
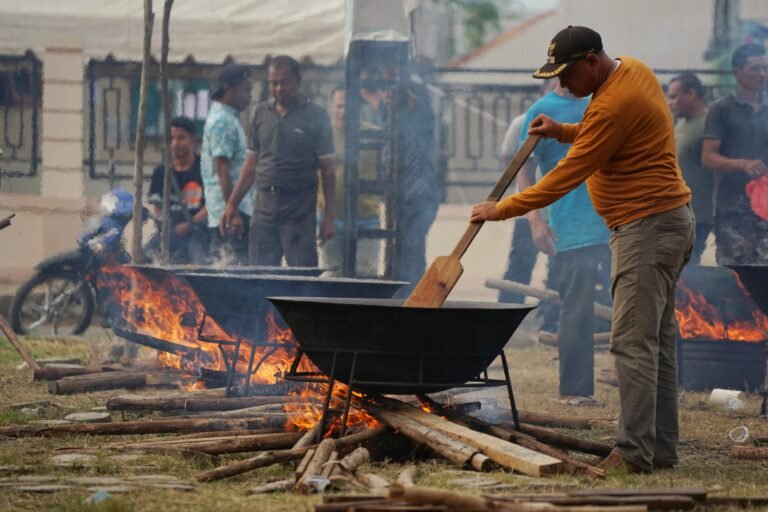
(60, 298)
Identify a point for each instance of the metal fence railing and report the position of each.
(473, 107)
(20, 106)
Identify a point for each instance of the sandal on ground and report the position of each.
(579, 401)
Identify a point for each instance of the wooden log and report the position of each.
(406, 477)
(570, 464)
(278, 486)
(302, 466)
(600, 339)
(226, 445)
(454, 450)
(268, 458)
(561, 440)
(309, 438)
(503, 453)
(97, 382)
(260, 461)
(204, 437)
(661, 502)
(550, 420)
(314, 467)
(190, 404)
(750, 452)
(58, 371)
(172, 426)
(17, 344)
(737, 501)
(430, 496)
(332, 464)
(599, 310)
(355, 459)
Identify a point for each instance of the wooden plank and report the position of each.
(503, 453)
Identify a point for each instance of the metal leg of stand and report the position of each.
(512, 404)
(232, 368)
(247, 386)
(327, 402)
(349, 395)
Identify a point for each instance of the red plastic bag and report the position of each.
(757, 192)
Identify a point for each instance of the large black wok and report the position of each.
(755, 280)
(396, 349)
(236, 301)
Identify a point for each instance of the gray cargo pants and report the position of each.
(647, 257)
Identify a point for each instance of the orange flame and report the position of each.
(697, 318)
(304, 415)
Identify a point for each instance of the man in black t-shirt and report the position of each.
(189, 239)
(735, 146)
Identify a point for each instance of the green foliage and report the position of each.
(479, 16)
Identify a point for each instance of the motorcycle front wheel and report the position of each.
(54, 303)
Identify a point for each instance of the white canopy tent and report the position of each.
(248, 30)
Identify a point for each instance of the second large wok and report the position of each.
(396, 349)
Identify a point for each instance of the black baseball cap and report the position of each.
(231, 75)
(568, 46)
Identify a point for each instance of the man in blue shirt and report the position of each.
(221, 159)
(576, 240)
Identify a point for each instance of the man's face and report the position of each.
(679, 99)
(337, 108)
(283, 85)
(754, 73)
(241, 95)
(581, 77)
(182, 142)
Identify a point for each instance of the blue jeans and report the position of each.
(411, 256)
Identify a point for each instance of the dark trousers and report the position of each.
(577, 274)
(700, 243)
(230, 249)
(284, 224)
(521, 260)
(192, 249)
(411, 254)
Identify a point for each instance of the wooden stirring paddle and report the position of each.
(443, 274)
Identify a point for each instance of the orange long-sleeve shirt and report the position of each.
(624, 147)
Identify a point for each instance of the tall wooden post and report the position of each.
(137, 254)
(167, 187)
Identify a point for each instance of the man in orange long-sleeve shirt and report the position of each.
(625, 150)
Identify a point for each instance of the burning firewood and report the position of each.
(174, 426)
(268, 458)
(454, 450)
(503, 453)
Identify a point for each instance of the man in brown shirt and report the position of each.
(625, 149)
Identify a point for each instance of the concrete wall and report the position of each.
(48, 222)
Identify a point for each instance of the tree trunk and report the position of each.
(165, 240)
(137, 253)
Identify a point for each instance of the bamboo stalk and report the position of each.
(165, 231)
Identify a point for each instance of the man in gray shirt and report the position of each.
(291, 138)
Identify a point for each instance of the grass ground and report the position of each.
(704, 450)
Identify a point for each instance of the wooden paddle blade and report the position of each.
(440, 278)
